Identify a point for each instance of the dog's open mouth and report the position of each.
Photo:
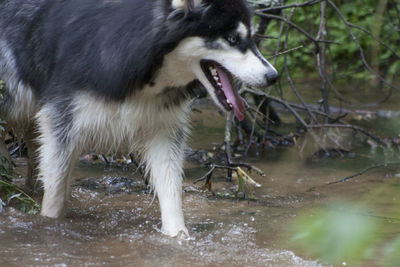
(222, 81)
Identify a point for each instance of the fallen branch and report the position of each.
(291, 108)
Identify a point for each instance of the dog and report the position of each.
(118, 75)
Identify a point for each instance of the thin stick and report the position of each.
(228, 152)
(254, 125)
(298, 28)
(285, 52)
(211, 171)
(375, 166)
(274, 8)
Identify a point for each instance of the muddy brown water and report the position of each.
(104, 228)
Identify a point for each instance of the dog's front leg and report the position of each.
(57, 153)
(164, 158)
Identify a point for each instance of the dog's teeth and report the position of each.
(219, 84)
(229, 102)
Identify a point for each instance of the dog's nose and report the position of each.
(271, 77)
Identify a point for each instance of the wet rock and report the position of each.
(198, 156)
(118, 184)
(89, 183)
(109, 184)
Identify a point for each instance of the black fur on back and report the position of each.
(110, 47)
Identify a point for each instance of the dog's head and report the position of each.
(219, 46)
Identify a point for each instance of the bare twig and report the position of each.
(227, 140)
(350, 177)
(275, 8)
(375, 166)
(298, 28)
(230, 167)
(285, 52)
(253, 126)
(262, 36)
(208, 175)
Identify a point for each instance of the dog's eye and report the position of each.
(232, 39)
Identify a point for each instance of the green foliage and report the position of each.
(343, 58)
(10, 193)
(391, 252)
(342, 234)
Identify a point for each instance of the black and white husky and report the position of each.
(116, 75)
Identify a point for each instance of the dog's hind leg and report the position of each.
(57, 154)
(164, 159)
(5, 159)
(30, 137)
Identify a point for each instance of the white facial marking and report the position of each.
(253, 30)
(181, 4)
(242, 30)
(178, 4)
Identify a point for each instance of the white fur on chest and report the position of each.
(114, 126)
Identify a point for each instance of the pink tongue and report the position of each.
(231, 94)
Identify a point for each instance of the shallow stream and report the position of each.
(107, 227)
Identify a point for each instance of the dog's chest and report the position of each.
(126, 126)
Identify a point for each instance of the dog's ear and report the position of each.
(186, 5)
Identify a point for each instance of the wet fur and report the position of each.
(114, 75)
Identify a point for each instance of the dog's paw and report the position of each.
(180, 232)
